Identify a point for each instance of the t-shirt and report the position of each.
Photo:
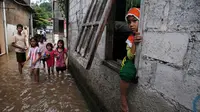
(42, 48)
(19, 41)
(50, 60)
(33, 54)
(130, 42)
(60, 62)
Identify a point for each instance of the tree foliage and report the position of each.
(42, 13)
(61, 5)
(132, 3)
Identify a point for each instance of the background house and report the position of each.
(58, 22)
(17, 12)
(169, 61)
(23, 15)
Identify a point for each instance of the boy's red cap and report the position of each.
(134, 12)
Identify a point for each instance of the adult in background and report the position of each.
(43, 33)
(19, 42)
(25, 33)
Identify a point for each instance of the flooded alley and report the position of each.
(19, 93)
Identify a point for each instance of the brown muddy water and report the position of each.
(19, 93)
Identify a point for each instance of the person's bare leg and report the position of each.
(52, 70)
(36, 70)
(123, 89)
(20, 67)
(62, 74)
(49, 72)
(32, 72)
(34, 75)
(57, 74)
(43, 64)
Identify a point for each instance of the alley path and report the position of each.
(19, 93)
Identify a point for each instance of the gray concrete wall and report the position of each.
(169, 65)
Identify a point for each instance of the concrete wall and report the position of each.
(169, 65)
(11, 30)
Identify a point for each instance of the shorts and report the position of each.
(43, 60)
(128, 71)
(21, 57)
(61, 69)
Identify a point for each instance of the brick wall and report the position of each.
(19, 15)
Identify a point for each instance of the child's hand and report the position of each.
(25, 48)
(138, 38)
(23, 63)
(34, 62)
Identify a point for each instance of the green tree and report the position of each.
(132, 3)
(47, 6)
(42, 14)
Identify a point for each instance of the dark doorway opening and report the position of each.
(122, 31)
(61, 26)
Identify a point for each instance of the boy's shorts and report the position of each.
(43, 58)
(21, 57)
(128, 71)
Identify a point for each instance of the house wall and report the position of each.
(169, 65)
(19, 15)
(11, 31)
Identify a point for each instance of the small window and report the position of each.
(92, 29)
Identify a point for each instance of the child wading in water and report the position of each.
(128, 70)
(61, 56)
(49, 56)
(34, 56)
(42, 46)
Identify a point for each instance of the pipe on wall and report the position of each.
(5, 27)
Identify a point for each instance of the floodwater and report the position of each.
(19, 93)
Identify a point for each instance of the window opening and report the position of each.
(121, 30)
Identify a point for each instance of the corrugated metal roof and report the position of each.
(28, 7)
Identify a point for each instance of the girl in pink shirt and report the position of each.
(49, 55)
(61, 56)
(34, 56)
